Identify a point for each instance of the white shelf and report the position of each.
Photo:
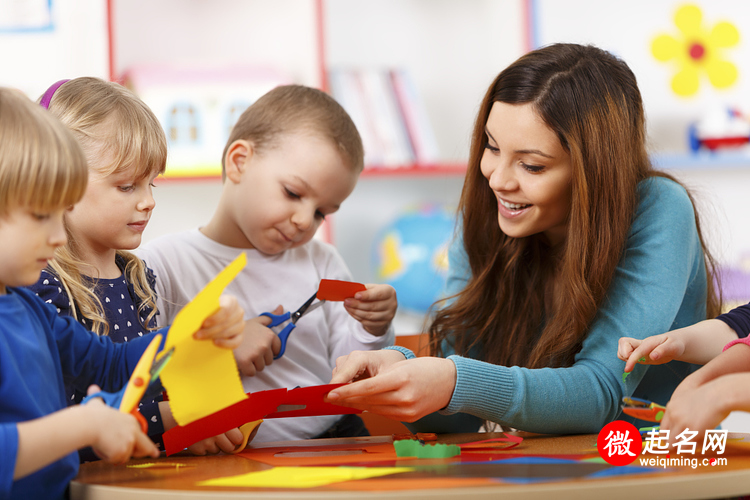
(739, 159)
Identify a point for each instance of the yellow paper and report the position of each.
(201, 378)
(302, 477)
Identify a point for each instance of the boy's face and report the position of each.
(29, 239)
(285, 193)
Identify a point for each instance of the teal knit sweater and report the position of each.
(659, 285)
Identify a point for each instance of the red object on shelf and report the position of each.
(724, 142)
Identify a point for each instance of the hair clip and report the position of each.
(47, 96)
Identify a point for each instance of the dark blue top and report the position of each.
(40, 353)
(738, 320)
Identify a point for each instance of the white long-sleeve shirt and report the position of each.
(185, 262)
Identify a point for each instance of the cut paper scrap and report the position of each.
(360, 454)
(201, 378)
(302, 477)
(411, 448)
(159, 465)
(501, 443)
(274, 403)
(335, 290)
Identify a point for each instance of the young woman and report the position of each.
(568, 240)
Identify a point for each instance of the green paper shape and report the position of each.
(625, 374)
(412, 448)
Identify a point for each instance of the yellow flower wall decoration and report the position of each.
(697, 50)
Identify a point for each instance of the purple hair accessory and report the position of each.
(47, 96)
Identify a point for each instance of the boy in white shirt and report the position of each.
(292, 158)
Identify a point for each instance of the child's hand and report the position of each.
(226, 325)
(116, 436)
(654, 350)
(226, 443)
(698, 408)
(374, 308)
(259, 345)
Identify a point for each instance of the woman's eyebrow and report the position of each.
(534, 152)
(522, 151)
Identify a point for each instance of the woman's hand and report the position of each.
(405, 390)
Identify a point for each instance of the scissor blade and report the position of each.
(161, 362)
(303, 308)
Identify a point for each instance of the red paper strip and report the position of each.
(258, 405)
(493, 444)
(336, 290)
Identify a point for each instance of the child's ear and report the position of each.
(238, 156)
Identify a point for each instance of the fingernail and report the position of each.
(333, 396)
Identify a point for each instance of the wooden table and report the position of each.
(167, 481)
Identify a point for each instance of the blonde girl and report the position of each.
(94, 277)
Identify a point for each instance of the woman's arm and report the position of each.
(659, 285)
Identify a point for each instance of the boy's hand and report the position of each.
(374, 308)
(226, 443)
(654, 350)
(116, 436)
(225, 326)
(259, 345)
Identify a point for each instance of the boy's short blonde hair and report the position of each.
(291, 108)
(136, 141)
(42, 167)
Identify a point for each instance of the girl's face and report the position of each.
(529, 172)
(282, 195)
(30, 239)
(113, 212)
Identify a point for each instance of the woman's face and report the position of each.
(529, 171)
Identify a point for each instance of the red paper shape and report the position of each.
(258, 405)
(336, 290)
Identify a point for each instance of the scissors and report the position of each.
(289, 320)
(643, 409)
(147, 370)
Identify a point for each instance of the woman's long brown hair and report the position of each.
(590, 99)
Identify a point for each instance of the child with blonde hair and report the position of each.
(94, 277)
(291, 160)
(42, 172)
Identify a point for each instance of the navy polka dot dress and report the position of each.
(120, 304)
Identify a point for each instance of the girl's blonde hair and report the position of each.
(42, 166)
(137, 142)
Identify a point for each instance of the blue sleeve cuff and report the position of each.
(403, 350)
(472, 394)
(9, 445)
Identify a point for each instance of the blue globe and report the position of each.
(411, 254)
